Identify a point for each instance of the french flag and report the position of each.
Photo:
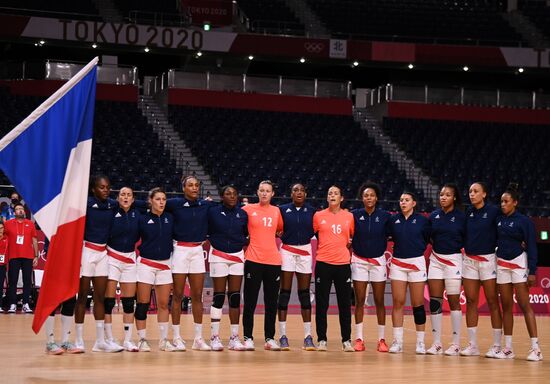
(47, 158)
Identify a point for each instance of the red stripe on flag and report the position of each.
(62, 270)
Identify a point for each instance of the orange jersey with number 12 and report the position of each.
(263, 223)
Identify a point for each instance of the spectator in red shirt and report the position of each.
(3, 261)
(22, 255)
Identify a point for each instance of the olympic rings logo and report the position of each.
(314, 47)
(545, 282)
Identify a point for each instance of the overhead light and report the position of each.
(36, 44)
(199, 54)
(146, 49)
(355, 63)
(94, 45)
(520, 70)
(410, 66)
(42, 42)
(465, 68)
(250, 57)
(206, 26)
(302, 60)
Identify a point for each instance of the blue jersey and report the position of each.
(99, 217)
(297, 224)
(516, 233)
(448, 231)
(124, 230)
(371, 232)
(410, 236)
(156, 235)
(190, 218)
(481, 230)
(227, 228)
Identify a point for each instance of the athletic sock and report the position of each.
(128, 332)
(176, 330)
(215, 328)
(307, 329)
(420, 336)
(66, 325)
(398, 334)
(282, 328)
(142, 333)
(381, 332)
(108, 331)
(436, 327)
(456, 319)
(508, 341)
(100, 330)
(48, 327)
(79, 328)
(472, 335)
(163, 330)
(534, 343)
(359, 331)
(198, 331)
(497, 336)
(234, 329)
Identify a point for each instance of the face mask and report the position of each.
(14, 201)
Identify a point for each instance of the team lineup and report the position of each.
(483, 246)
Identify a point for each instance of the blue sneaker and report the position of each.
(283, 342)
(308, 344)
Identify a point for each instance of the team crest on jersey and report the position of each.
(362, 218)
(376, 219)
(254, 214)
(223, 213)
(452, 219)
(511, 225)
(186, 204)
(118, 214)
(498, 225)
(133, 214)
(397, 221)
(472, 214)
(238, 216)
(305, 209)
(414, 221)
(288, 210)
(95, 206)
(166, 220)
(150, 221)
(437, 217)
(484, 215)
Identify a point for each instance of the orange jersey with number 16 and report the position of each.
(263, 224)
(334, 233)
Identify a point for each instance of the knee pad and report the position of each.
(284, 298)
(67, 308)
(436, 305)
(452, 286)
(218, 299)
(141, 311)
(109, 303)
(234, 299)
(419, 315)
(127, 304)
(303, 296)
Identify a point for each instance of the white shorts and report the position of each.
(479, 267)
(373, 270)
(294, 258)
(94, 262)
(120, 270)
(412, 270)
(152, 275)
(445, 266)
(220, 266)
(512, 271)
(188, 259)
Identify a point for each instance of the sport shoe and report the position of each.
(54, 349)
(216, 343)
(435, 349)
(143, 345)
(283, 342)
(493, 352)
(382, 346)
(420, 348)
(470, 350)
(12, 309)
(236, 345)
(200, 345)
(308, 344)
(534, 355)
(26, 308)
(114, 345)
(179, 343)
(347, 347)
(71, 348)
(359, 345)
(248, 344)
(396, 347)
(453, 350)
(166, 346)
(129, 346)
(103, 346)
(505, 353)
(322, 346)
(1, 310)
(271, 345)
(79, 344)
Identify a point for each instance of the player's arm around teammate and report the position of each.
(334, 227)
(368, 261)
(227, 230)
(516, 267)
(296, 258)
(410, 232)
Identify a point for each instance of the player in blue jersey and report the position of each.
(296, 259)
(368, 261)
(448, 225)
(227, 233)
(516, 268)
(479, 268)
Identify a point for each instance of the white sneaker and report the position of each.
(235, 344)
(435, 349)
(493, 352)
(534, 355)
(271, 345)
(201, 345)
(396, 347)
(114, 345)
(26, 308)
(103, 346)
(249, 344)
(166, 346)
(1, 310)
(505, 353)
(129, 346)
(453, 350)
(420, 348)
(347, 347)
(322, 346)
(143, 346)
(12, 309)
(79, 344)
(470, 350)
(179, 344)
(216, 343)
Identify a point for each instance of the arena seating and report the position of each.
(464, 152)
(81, 7)
(539, 13)
(271, 16)
(125, 6)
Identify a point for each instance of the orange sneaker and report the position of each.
(359, 345)
(382, 346)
